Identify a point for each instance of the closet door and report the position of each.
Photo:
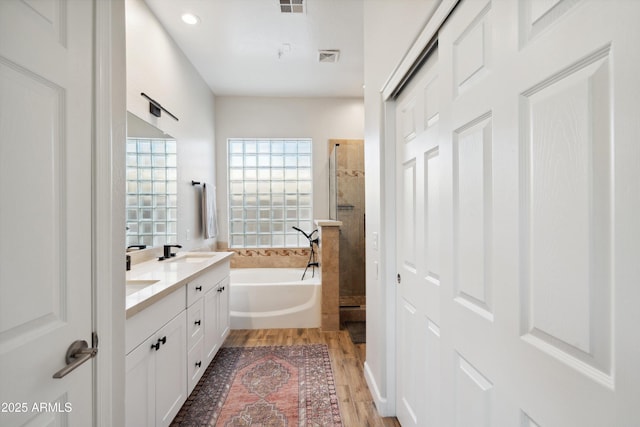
(539, 120)
(418, 241)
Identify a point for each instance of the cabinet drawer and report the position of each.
(196, 364)
(195, 322)
(201, 284)
(198, 286)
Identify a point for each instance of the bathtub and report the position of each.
(273, 298)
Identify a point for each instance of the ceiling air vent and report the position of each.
(291, 6)
(328, 55)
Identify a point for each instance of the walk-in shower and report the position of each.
(346, 204)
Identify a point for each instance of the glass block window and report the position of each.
(270, 191)
(152, 202)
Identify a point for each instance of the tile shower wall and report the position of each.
(348, 206)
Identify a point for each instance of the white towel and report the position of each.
(209, 220)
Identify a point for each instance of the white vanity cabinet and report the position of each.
(197, 322)
(156, 370)
(196, 363)
(170, 343)
(216, 314)
(211, 342)
(170, 370)
(224, 319)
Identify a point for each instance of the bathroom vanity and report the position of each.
(177, 318)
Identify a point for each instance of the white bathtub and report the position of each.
(273, 298)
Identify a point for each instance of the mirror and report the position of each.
(151, 185)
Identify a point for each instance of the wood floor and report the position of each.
(356, 404)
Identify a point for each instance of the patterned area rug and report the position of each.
(265, 386)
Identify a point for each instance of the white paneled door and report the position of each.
(46, 68)
(419, 254)
(518, 173)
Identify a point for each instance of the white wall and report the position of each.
(321, 119)
(389, 30)
(157, 67)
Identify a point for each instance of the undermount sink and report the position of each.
(194, 258)
(133, 286)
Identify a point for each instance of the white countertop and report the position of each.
(167, 276)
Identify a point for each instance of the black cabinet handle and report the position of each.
(197, 322)
(162, 340)
(198, 288)
(156, 346)
(198, 364)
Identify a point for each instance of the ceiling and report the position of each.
(251, 48)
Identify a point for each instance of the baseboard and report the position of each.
(380, 402)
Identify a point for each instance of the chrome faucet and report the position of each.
(167, 252)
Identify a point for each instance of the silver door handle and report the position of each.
(77, 353)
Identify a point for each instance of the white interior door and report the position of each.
(418, 253)
(46, 67)
(538, 153)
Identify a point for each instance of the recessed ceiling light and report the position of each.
(190, 18)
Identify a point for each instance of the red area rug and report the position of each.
(265, 386)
